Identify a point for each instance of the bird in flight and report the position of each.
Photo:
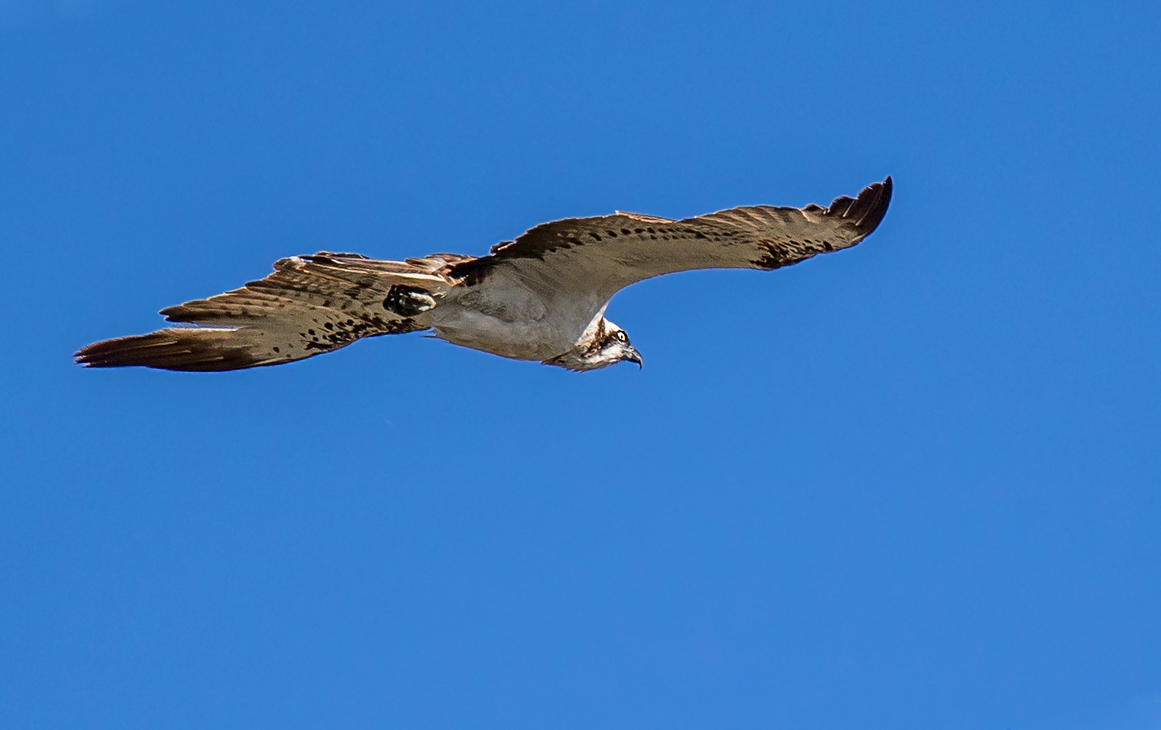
(541, 297)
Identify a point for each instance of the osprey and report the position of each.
(540, 297)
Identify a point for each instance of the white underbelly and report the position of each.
(505, 317)
(523, 340)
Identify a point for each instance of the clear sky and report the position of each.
(915, 484)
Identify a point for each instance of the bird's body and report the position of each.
(541, 297)
(510, 319)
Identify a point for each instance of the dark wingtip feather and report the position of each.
(868, 209)
(166, 350)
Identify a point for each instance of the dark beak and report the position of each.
(635, 356)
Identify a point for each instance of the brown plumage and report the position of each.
(540, 297)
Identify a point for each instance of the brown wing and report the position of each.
(309, 305)
(606, 253)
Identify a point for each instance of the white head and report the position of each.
(606, 344)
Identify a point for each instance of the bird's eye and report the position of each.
(622, 336)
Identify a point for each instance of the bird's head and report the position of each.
(609, 345)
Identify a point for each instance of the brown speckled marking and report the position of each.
(776, 256)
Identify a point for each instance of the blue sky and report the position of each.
(909, 485)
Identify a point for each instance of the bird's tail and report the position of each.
(309, 305)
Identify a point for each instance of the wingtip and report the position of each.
(870, 207)
(185, 349)
(118, 352)
(96, 355)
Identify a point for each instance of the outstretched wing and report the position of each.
(601, 255)
(309, 305)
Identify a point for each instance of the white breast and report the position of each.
(504, 316)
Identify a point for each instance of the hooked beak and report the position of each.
(635, 356)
